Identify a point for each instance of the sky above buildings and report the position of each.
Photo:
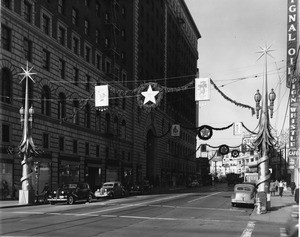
(233, 31)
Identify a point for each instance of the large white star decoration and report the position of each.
(27, 73)
(149, 95)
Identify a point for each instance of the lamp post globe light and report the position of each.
(26, 147)
(264, 140)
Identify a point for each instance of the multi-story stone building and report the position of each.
(74, 45)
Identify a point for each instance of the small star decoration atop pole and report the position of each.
(149, 95)
(27, 73)
(265, 51)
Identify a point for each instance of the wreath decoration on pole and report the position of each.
(235, 153)
(205, 132)
(224, 149)
(149, 105)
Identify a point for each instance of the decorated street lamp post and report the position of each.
(264, 140)
(26, 147)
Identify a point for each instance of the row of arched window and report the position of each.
(117, 127)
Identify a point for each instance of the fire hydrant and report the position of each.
(258, 206)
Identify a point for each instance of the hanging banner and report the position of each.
(202, 89)
(237, 129)
(175, 131)
(101, 96)
(291, 40)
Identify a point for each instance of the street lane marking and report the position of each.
(137, 204)
(28, 212)
(114, 216)
(249, 229)
(204, 197)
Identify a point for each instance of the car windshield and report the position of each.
(69, 186)
(110, 185)
(243, 189)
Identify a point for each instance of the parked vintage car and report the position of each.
(144, 188)
(110, 190)
(71, 193)
(244, 193)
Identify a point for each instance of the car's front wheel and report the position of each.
(71, 200)
(233, 204)
(89, 199)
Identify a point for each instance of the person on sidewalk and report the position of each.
(272, 188)
(293, 186)
(276, 185)
(280, 186)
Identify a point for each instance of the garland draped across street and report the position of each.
(163, 89)
(227, 98)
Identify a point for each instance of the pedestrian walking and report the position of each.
(293, 186)
(297, 196)
(14, 191)
(276, 185)
(280, 186)
(272, 188)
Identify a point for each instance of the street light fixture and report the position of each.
(272, 97)
(257, 98)
(26, 147)
(264, 140)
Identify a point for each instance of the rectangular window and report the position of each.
(61, 6)
(61, 35)
(88, 81)
(97, 36)
(98, 61)
(6, 3)
(62, 68)
(74, 16)
(98, 9)
(97, 150)
(27, 49)
(107, 67)
(106, 42)
(124, 77)
(86, 27)
(46, 60)
(87, 148)
(46, 24)
(75, 45)
(45, 140)
(27, 11)
(75, 75)
(5, 133)
(87, 53)
(74, 146)
(61, 143)
(116, 73)
(5, 37)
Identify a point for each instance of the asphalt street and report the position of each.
(196, 213)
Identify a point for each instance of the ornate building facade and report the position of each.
(75, 45)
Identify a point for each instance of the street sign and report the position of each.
(175, 131)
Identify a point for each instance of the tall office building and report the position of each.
(74, 45)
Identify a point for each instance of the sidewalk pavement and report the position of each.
(280, 210)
